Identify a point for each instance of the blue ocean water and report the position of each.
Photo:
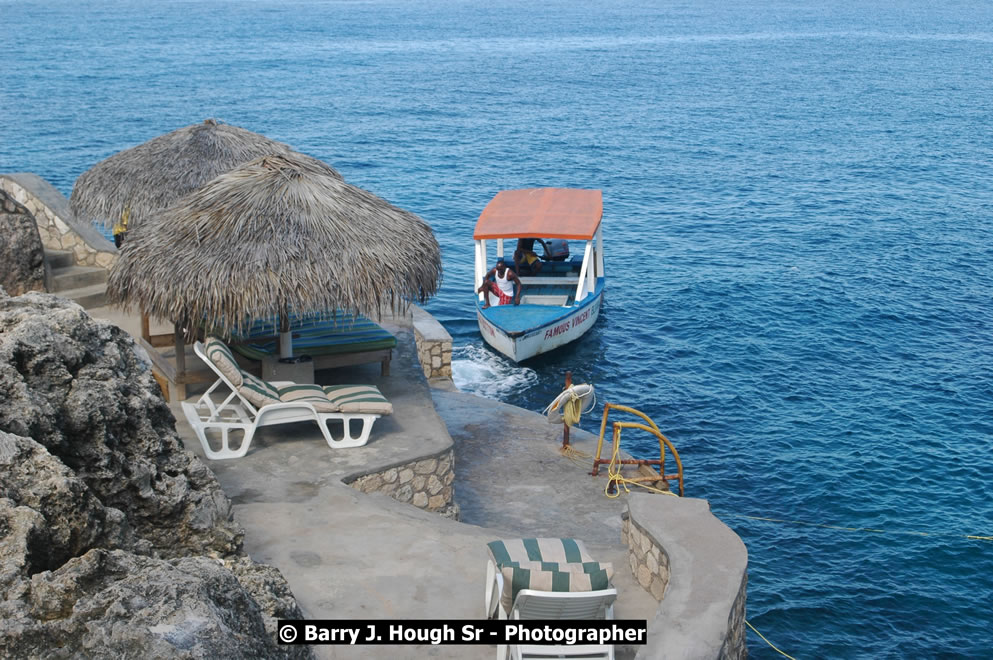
(798, 204)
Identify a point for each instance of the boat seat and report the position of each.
(544, 299)
(567, 280)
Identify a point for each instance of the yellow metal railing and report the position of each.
(650, 427)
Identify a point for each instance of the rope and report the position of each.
(578, 457)
(614, 477)
(971, 537)
(768, 642)
(572, 411)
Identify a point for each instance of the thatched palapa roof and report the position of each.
(151, 176)
(279, 230)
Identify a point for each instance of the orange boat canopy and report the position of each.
(542, 213)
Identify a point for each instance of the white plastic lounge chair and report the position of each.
(548, 579)
(254, 402)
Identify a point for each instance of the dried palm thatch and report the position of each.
(151, 176)
(280, 232)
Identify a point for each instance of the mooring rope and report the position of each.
(971, 537)
(771, 645)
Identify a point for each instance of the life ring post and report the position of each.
(565, 427)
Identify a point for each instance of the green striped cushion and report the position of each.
(547, 550)
(312, 394)
(553, 576)
(258, 392)
(358, 399)
(219, 353)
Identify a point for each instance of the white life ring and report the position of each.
(582, 391)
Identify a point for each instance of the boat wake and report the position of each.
(479, 371)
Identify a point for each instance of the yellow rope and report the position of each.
(572, 410)
(578, 457)
(972, 537)
(768, 642)
(614, 476)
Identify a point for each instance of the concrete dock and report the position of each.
(353, 555)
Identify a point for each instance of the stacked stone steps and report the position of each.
(85, 285)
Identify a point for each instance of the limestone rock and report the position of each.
(21, 251)
(78, 387)
(72, 520)
(269, 589)
(114, 540)
(115, 604)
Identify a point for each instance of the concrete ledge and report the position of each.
(434, 345)
(58, 226)
(705, 568)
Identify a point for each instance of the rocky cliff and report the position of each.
(22, 255)
(114, 540)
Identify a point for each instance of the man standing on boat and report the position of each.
(502, 286)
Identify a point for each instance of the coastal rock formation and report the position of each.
(78, 388)
(21, 251)
(114, 540)
(112, 603)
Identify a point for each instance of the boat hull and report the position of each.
(518, 346)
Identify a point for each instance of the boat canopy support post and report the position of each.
(565, 427)
(599, 250)
(480, 266)
(591, 271)
(581, 288)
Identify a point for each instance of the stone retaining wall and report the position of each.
(58, 229)
(426, 483)
(649, 561)
(697, 568)
(434, 345)
(735, 643)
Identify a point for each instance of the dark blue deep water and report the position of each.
(798, 212)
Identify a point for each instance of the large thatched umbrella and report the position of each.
(144, 179)
(278, 233)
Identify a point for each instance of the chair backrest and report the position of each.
(570, 605)
(201, 350)
(247, 380)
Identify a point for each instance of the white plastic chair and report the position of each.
(532, 604)
(236, 413)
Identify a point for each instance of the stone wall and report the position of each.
(735, 644)
(427, 483)
(58, 228)
(698, 570)
(434, 345)
(649, 561)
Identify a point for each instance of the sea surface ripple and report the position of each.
(798, 215)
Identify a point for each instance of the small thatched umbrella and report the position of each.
(279, 233)
(139, 181)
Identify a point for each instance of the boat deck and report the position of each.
(527, 316)
(518, 318)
